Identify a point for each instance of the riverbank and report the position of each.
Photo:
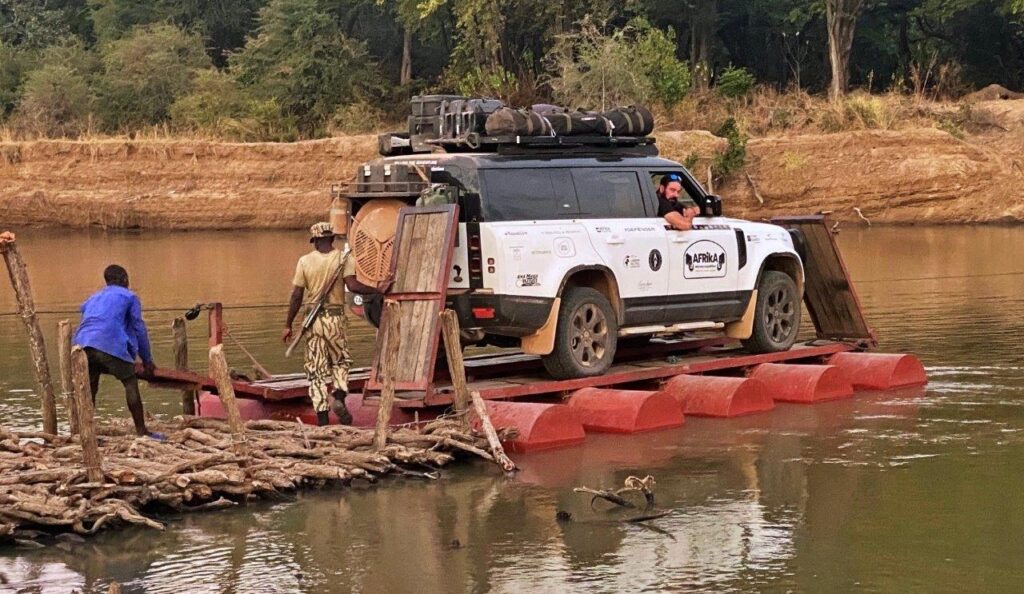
(914, 175)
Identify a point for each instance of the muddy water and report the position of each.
(915, 490)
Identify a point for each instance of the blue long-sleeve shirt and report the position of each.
(112, 323)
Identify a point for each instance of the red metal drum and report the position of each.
(880, 371)
(713, 396)
(804, 384)
(540, 426)
(625, 411)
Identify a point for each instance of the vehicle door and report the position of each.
(631, 243)
(703, 264)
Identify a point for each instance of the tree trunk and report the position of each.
(188, 396)
(703, 27)
(27, 311)
(405, 77)
(387, 367)
(91, 456)
(841, 19)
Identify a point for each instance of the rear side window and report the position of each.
(526, 194)
(609, 194)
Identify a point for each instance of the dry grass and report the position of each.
(768, 112)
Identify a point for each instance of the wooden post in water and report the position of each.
(27, 310)
(188, 396)
(225, 390)
(67, 386)
(388, 363)
(456, 366)
(86, 423)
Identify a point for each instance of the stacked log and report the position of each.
(45, 486)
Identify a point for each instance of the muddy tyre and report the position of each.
(586, 338)
(776, 314)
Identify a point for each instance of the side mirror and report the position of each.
(712, 206)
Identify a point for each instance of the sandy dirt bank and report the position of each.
(920, 175)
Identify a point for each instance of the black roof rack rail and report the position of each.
(532, 145)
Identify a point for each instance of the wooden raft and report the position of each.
(421, 262)
(829, 295)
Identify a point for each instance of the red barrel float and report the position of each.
(880, 371)
(804, 384)
(540, 426)
(625, 411)
(713, 396)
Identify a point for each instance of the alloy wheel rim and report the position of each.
(780, 315)
(589, 339)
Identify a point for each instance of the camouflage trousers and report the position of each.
(327, 358)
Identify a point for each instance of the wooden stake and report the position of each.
(86, 423)
(492, 436)
(388, 365)
(456, 366)
(188, 396)
(27, 310)
(67, 386)
(225, 390)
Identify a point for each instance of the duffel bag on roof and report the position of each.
(574, 123)
(517, 122)
(635, 120)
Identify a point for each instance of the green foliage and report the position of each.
(734, 82)
(14, 65)
(635, 64)
(146, 72)
(735, 154)
(304, 61)
(669, 78)
(218, 105)
(57, 101)
(691, 161)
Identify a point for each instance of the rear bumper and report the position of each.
(512, 315)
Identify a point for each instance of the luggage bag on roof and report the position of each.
(464, 116)
(635, 120)
(516, 122)
(573, 123)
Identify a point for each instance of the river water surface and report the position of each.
(917, 490)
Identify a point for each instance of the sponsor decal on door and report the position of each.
(705, 259)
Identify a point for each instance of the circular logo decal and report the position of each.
(654, 260)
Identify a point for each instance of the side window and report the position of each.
(691, 194)
(609, 194)
(523, 194)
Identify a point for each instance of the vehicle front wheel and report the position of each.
(586, 336)
(776, 314)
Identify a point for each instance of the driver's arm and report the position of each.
(682, 221)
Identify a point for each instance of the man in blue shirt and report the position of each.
(112, 334)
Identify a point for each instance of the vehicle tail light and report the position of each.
(483, 313)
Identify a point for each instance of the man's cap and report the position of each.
(671, 177)
(321, 230)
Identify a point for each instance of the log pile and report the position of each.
(200, 466)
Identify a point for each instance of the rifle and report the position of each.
(318, 307)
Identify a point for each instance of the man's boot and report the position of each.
(322, 419)
(339, 408)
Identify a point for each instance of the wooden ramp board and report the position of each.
(828, 290)
(421, 261)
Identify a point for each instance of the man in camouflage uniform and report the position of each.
(325, 269)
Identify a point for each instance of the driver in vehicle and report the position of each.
(678, 213)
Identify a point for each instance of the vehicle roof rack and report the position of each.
(560, 145)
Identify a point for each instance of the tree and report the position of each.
(303, 60)
(146, 71)
(841, 20)
(57, 101)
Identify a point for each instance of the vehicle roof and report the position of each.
(499, 161)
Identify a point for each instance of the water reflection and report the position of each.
(912, 490)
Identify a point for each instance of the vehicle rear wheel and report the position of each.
(776, 314)
(586, 337)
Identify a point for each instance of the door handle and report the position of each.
(614, 240)
(678, 238)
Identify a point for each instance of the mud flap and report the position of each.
(542, 342)
(743, 328)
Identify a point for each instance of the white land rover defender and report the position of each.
(561, 252)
